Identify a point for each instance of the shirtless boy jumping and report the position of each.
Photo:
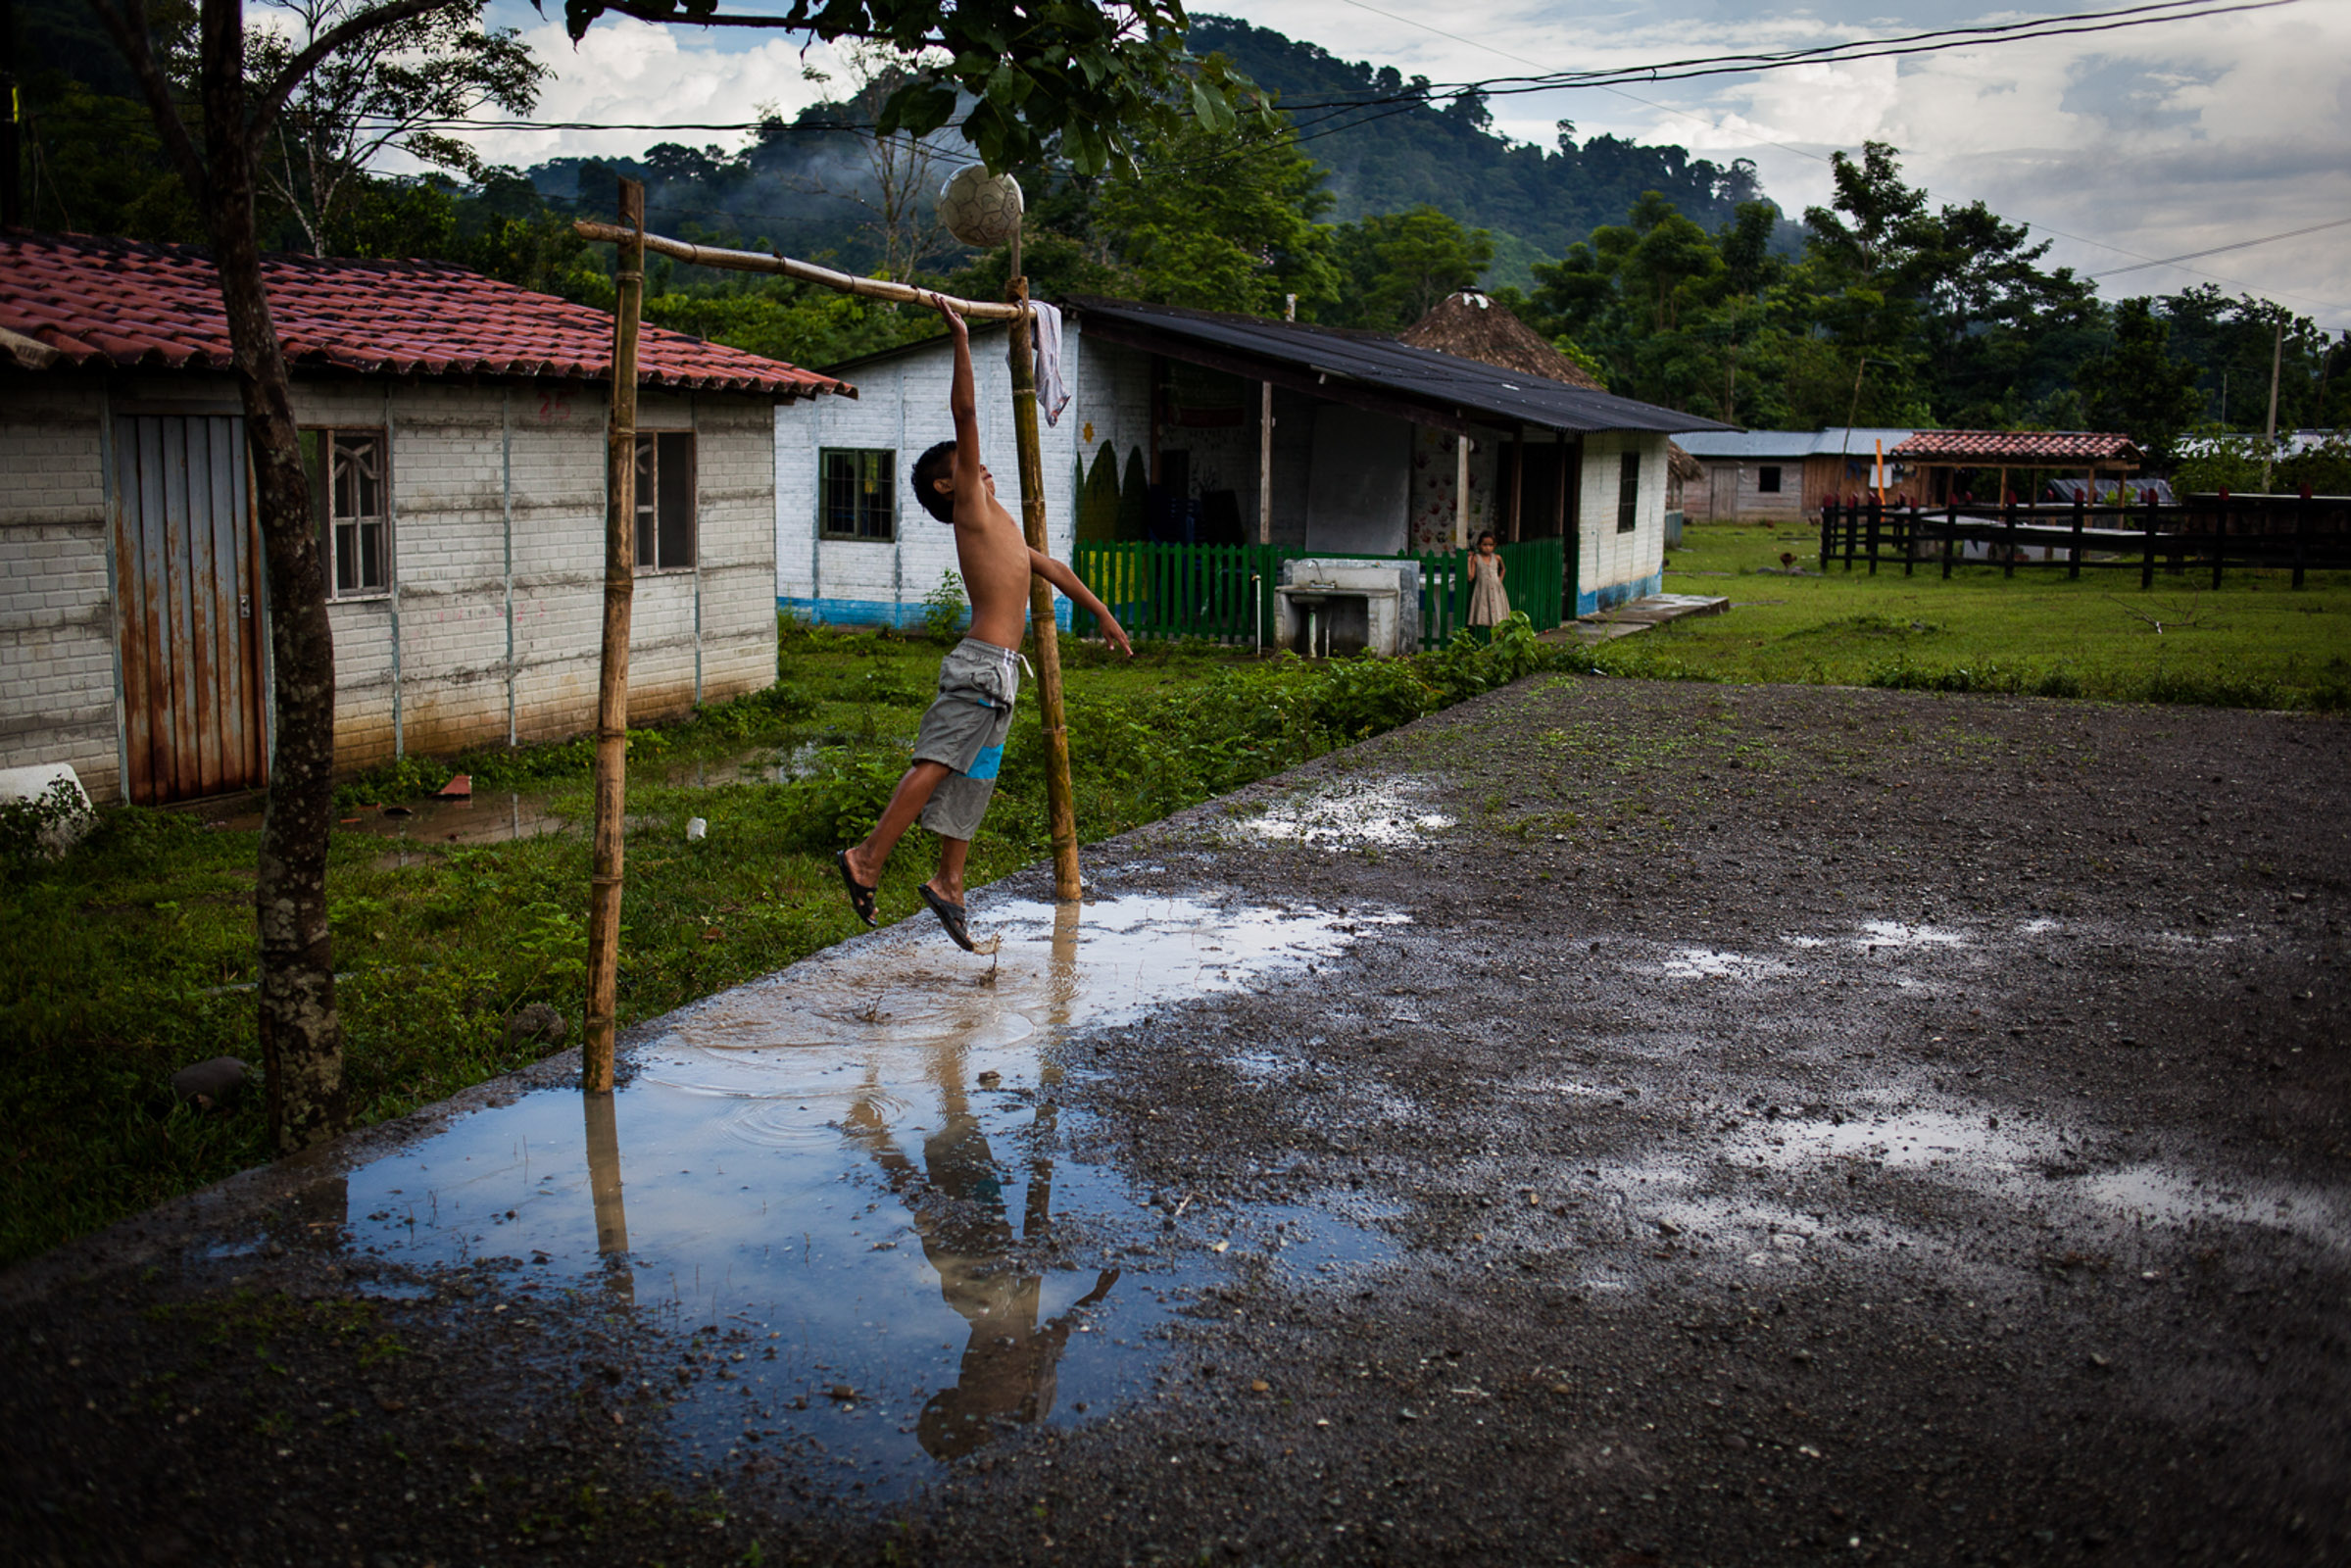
(961, 742)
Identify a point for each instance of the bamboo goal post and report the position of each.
(611, 703)
(1042, 625)
(611, 685)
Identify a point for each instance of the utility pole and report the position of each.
(2269, 445)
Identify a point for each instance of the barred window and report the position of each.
(665, 502)
(856, 494)
(351, 501)
(1628, 493)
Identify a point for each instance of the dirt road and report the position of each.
(1717, 1125)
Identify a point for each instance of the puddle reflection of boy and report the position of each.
(1011, 1364)
(961, 742)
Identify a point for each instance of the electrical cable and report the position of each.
(2235, 245)
(1420, 93)
(2106, 245)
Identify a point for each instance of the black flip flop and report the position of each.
(860, 897)
(951, 916)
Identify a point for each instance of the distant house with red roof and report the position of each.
(1989, 465)
(454, 428)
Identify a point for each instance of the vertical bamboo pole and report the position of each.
(1518, 479)
(1265, 462)
(612, 688)
(1057, 800)
(1265, 441)
(1461, 492)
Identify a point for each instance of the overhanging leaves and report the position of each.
(1092, 80)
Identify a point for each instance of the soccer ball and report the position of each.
(979, 207)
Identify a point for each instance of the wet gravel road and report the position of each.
(1786, 1126)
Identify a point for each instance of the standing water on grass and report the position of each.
(843, 1179)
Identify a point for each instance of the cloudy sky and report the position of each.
(2123, 146)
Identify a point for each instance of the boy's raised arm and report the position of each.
(963, 400)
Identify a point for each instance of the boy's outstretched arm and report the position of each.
(962, 403)
(1057, 574)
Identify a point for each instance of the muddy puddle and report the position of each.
(500, 816)
(1919, 1131)
(842, 1188)
(2037, 1167)
(1390, 814)
(489, 816)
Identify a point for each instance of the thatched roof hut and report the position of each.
(1475, 328)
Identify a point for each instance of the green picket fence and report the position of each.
(1225, 593)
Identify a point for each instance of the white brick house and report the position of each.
(454, 428)
(1366, 453)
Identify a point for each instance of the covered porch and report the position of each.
(1213, 446)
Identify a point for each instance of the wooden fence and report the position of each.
(1225, 593)
(2278, 533)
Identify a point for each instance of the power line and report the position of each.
(2105, 245)
(1938, 41)
(1746, 63)
(1337, 115)
(2235, 245)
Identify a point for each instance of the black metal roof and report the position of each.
(1372, 370)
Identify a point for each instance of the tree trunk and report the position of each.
(301, 1034)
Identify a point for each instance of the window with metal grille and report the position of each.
(855, 497)
(665, 502)
(1628, 493)
(1767, 479)
(351, 499)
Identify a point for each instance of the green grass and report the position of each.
(2255, 642)
(134, 956)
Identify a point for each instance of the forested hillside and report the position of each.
(1536, 201)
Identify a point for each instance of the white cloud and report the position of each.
(626, 71)
(2152, 140)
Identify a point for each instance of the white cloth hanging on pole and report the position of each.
(1052, 397)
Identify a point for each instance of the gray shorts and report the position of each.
(965, 728)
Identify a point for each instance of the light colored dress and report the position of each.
(1488, 605)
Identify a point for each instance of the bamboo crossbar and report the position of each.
(872, 288)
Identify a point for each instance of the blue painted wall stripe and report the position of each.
(1616, 593)
(875, 612)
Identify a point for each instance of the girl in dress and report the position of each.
(1488, 605)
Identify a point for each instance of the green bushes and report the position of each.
(944, 609)
(33, 829)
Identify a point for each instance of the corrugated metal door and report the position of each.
(187, 567)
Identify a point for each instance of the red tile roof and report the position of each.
(2058, 448)
(159, 306)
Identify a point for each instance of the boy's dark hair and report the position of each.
(938, 463)
(1484, 534)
